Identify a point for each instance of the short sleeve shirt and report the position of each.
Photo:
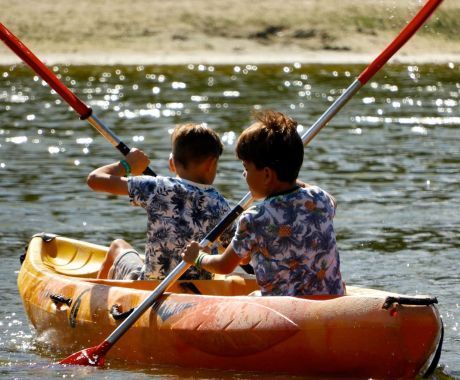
(178, 211)
(291, 241)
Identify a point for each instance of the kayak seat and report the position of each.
(73, 259)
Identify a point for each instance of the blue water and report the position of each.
(391, 157)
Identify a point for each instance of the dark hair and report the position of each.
(272, 141)
(194, 143)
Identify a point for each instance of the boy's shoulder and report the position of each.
(315, 190)
(204, 192)
(162, 181)
(312, 188)
(309, 193)
(319, 194)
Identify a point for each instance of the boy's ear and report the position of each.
(210, 163)
(172, 167)
(269, 175)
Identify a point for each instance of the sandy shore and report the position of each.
(217, 32)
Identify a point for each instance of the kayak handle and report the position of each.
(421, 301)
(60, 299)
(116, 313)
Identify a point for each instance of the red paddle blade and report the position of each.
(93, 356)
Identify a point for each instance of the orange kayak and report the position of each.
(218, 324)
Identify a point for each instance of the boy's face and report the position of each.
(256, 179)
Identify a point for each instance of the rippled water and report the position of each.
(391, 157)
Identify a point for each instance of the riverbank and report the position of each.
(203, 31)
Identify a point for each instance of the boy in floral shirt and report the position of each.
(288, 237)
(179, 209)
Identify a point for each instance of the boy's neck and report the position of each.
(283, 188)
(202, 173)
(201, 185)
(195, 179)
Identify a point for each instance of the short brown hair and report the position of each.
(194, 143)
(272, 141)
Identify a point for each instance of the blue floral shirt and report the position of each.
(178, 211)
(291, 241)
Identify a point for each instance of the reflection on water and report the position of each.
(391, 158)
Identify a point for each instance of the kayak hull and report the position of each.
(215, 324)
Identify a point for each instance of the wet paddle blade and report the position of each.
(93, 356)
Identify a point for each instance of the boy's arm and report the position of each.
(109, 179)
(112, 178)
(221, 264)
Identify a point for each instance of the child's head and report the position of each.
(272, 142)
(193, 143)
(195, 149)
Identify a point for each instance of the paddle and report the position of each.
(95, 355)
(85, 112)
(406, 33)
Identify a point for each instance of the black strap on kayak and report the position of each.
(116, 313)
(189, 286)
(46, 236)
(437, 355)
(60, 299)
(421, 301)
(23, 256)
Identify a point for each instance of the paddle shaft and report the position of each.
(81, 108)
(408, 31)
(70, 98)
(147, 302)
(169, 280)
(144, 305)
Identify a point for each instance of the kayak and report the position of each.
(222, 323)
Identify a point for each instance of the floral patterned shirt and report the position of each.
(291, 241)
(178, 211)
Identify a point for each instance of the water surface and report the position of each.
(391, 157)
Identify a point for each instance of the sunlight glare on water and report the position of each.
(390, 157)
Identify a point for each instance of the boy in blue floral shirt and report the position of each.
(288, 237)
(179, 209)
